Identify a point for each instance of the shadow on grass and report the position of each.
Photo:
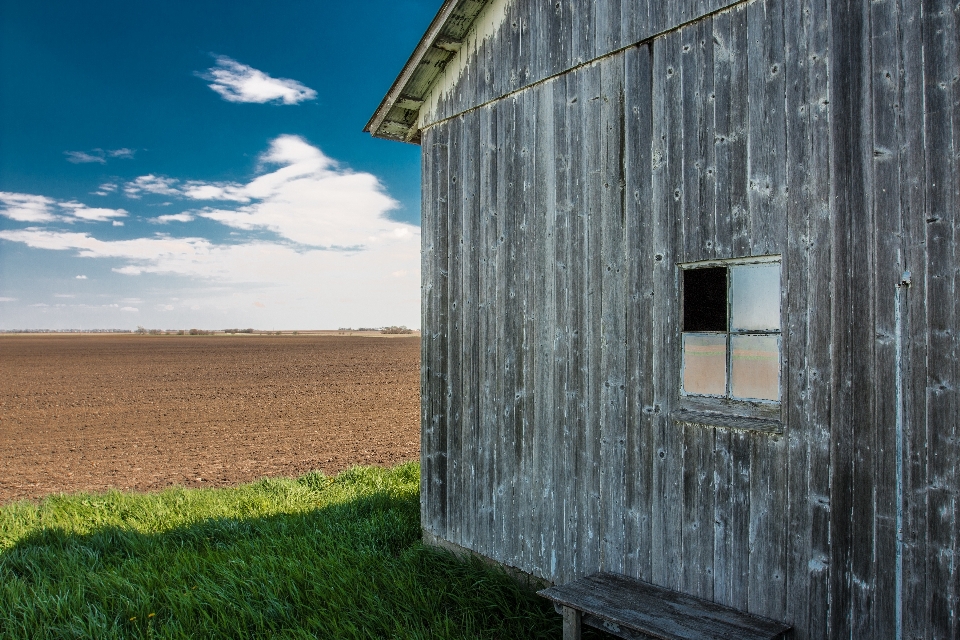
(353, 569)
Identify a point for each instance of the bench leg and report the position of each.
(571, 624)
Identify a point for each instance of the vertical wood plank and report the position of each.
(635, 21)
(548, 434)
(565, 476)
(504, 382)
(696, 56)
(885, 151)
(914, 350)
(806, 201)
(526, 47)
(940, 71)
(864, 359)
(767, 148)
(428, 307)
(847, 200)
(551, 47)
(613, 299)
(488, 286)
(576, 282)
(767, 126)
(583, 31)
(590, 320)
(526, 243)
(725, 58)
(667, 166)
(738, 542)
(453, 396)
(706, 168)
(741, 231)
(698, 167)
(472, 444)
(819, 305)
(638, 131)
(561, 51)
(438, 418)
(609, 22)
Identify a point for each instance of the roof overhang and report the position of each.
(398, 114)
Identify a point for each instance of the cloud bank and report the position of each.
(237, 82)
(311, 243)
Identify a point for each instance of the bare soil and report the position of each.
(83, 412)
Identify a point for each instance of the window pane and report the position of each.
(756, 367)
(705, 363)
(705, 299)
(755, 297)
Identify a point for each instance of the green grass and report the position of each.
(311, 557)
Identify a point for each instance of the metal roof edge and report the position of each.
(396, 90)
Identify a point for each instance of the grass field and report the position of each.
(300, 558)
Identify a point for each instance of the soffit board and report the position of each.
(396, 117)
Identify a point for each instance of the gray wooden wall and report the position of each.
(535, 39)
(553, 220)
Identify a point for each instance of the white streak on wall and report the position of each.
(898, 585)
(486, 26)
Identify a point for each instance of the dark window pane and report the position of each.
(705, 299)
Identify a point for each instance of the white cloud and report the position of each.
(196, 190)
(335, 243)
(237, 82)
(24, 207)
(117, 223)
(129, 270)
(81, 157)
(311, 201)
(98, 155)
(151, 184)
(5, 299)
(83, 212)
(81, 277)
(64, 295)
(130, 309)
(105, 189)
(173, 217)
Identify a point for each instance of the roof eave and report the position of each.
(397, 116)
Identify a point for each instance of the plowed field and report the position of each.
(92, 412)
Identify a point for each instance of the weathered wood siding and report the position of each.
(553, 221)
(516, 43)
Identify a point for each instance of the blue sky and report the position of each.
(202, 165)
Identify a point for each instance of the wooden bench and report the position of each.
(633, 609)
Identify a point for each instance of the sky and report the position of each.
(196, 164)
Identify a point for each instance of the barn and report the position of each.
(690, 298)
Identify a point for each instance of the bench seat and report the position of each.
(630, 608)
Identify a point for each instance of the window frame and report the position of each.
(727, 411)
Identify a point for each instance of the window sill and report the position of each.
(726, 421)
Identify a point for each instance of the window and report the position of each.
(731, 336)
